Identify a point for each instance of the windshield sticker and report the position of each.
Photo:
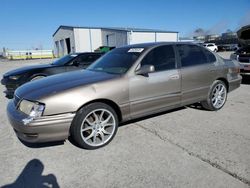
(135, 50)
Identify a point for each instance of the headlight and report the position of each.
(32, 109)
(16, 77)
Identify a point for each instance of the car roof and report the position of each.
(154, 44)
(82, 53)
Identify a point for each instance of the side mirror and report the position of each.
(145, 69)
(75, 63)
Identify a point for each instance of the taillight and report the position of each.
(237, 69)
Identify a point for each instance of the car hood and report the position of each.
(52, 85)
(26, 69)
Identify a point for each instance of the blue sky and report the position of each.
(31, 23)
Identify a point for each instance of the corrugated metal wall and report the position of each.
(89, 39)
(60, 47)
(114, 38)
(166, 37)
(142, 37)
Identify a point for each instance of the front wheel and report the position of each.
(94, 126)
(217, 96)
(37, 77)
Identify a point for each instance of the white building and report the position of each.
(69, 39)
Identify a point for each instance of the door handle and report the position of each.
(174, 77)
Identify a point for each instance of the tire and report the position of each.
(37, 77)
(217, 96)
(94, 126)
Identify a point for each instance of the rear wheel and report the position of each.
(94, 126)
(217, 96)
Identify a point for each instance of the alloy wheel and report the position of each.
(98, 127)
(219, 95)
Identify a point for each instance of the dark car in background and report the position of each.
(15, 78)
(243, 56)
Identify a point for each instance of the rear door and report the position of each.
(160, 89)
(197, 72)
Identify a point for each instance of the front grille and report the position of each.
(16, 100)
(10, 86)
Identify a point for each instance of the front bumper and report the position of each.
(44, 129)
(11, 86)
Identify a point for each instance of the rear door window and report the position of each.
(163, 58)
(211, 57)
(191, 55)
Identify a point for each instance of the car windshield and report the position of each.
(64, 59)
(118, 61)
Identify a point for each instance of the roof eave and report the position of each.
(115, 29)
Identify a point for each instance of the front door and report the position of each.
(159, 90)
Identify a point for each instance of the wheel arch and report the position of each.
(107, 102)
(225, 81)
(37, 74)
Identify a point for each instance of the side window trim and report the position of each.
(177, 57)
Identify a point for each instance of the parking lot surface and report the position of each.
(186, 147)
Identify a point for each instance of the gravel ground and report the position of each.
(187, 147)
